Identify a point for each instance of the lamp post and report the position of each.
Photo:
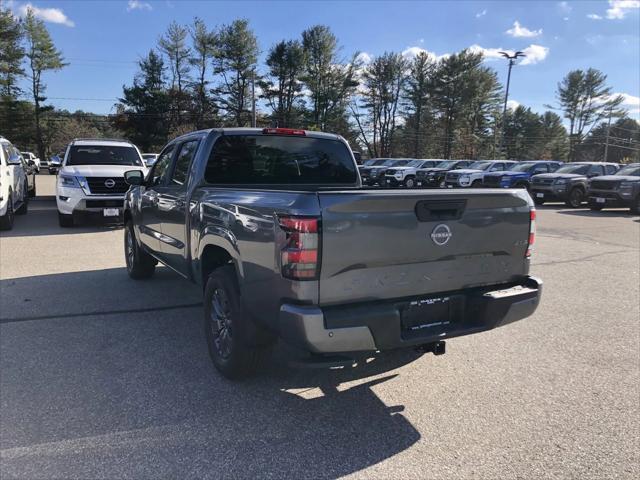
(512, 60)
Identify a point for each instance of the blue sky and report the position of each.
(103, 39)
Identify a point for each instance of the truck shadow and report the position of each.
(42, 220)
(134, 394)
(594, 213)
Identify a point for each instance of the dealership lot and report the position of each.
(101, 376)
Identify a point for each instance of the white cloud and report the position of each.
(618, 9)
(594, 16)
(534, 53)
(565, 7)
(518, 31)
(364, 58)
(412, 52)
(482, 13)
(512, 104)
(138, 5)
(52, 15)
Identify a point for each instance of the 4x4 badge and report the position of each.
(441, 234)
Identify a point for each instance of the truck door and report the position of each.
(150, 223)
(172, 208)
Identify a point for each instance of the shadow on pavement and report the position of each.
(597, 213)
(42, 219)
(135, 394)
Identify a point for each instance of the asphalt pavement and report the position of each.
(105, 377)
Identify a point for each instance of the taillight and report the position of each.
(283, 131)
(301, 253)
(532, 232)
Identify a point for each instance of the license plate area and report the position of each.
(600, 200)
(110, 212)
(540, 195)
(426, 315)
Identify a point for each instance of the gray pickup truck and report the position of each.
(276, 228)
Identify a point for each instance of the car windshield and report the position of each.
(397, 163)
(523, 167)
(577, 169)
(445, 164)
(479, 165)
(631, 170)
(149, 156)
(415, 163)
(103, 155)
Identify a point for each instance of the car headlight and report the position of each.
(69, 181)
(561, 181)
(465, 179)
(626, 184)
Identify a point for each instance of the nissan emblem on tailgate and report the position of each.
(441, 234)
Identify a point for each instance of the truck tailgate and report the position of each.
(391, 244)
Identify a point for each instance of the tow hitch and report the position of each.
(437, 348)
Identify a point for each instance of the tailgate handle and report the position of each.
(436, 210)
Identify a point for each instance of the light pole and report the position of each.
(512, 60)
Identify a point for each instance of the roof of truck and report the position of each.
(101, 141)
(260, 131)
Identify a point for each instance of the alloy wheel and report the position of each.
(221, 324)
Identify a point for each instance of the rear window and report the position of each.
(103, 155)
(279, 160)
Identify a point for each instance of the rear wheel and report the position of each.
(139, 263)
(576, 196)
(65, 221)
(32, 193)
(635, 206)
(232, 338)
(6, 220)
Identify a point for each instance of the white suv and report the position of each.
(406, 174)
(473, 175)
(14, 191)
(91, 178)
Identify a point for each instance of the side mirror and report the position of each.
(13, 159)
(134, 177)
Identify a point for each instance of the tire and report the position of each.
(521, 185)
(635, 206)
(476, 184)
(32, 193)
(410, 182)
(6, 220)
(232, 338)
(576, 197)
(24, 208)
(140, 264)
(65, 221)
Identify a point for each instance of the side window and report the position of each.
(498, 167)
(595, 170)
(540, 168)
(183, 161)
(610, 169)
(160, 169)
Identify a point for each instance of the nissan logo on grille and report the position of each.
(109, 183)
(441, 234)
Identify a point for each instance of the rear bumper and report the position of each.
(379, 326)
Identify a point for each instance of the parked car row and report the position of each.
(546, 180)
(17, 183)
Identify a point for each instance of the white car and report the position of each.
(474, 174)
(14, 190)
(406, 174)
(91, 178)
